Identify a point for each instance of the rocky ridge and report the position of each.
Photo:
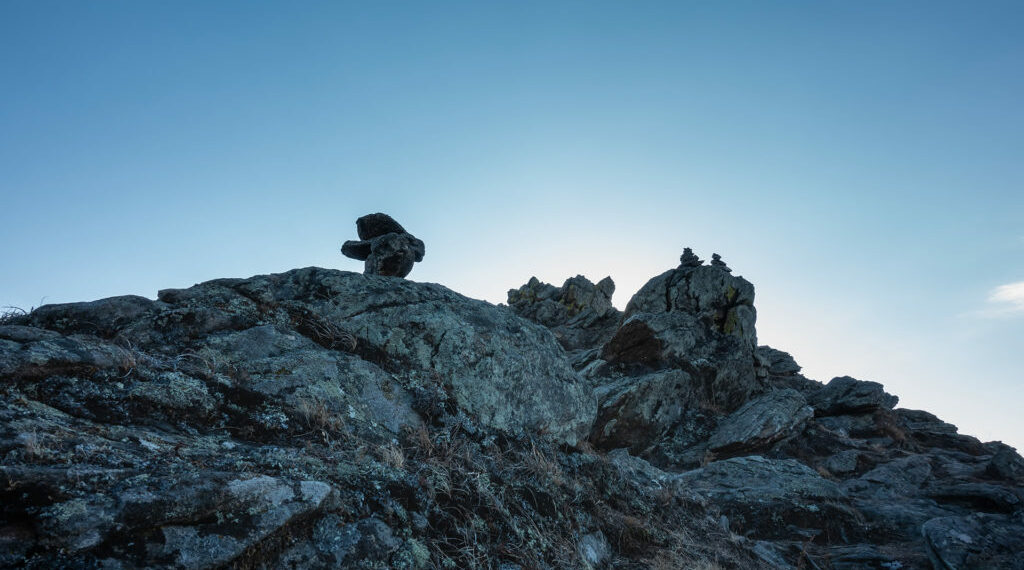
(319, 418)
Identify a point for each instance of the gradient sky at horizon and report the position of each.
(860, 162)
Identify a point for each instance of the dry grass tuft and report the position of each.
(12, 315)
(545, 468)
(325, 333)
(393, 456)
(317, 416)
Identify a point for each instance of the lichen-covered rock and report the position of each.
(902, 477)
(681, 359)
(772, 498)
(930, 432)
(776, 362)
(761, 422)
(1006, 464)
(579, 312)
(366, 543)
(636, 411)
(103, 318)
(975, 541)
(697, 318)
(508, 373)
(322, 419)
(266, 505)
(594, 549)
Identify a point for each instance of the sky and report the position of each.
(859, 162)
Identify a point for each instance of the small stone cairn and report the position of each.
(690, 259)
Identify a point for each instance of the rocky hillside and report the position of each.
(324, 419)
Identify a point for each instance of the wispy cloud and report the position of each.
(1006, 300)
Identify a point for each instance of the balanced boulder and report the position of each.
(385, 246)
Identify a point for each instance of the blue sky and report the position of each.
(859, 162)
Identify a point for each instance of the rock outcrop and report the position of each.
(579, 312)
(326, 419)
(682, 357)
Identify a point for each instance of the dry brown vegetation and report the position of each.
(527, 502)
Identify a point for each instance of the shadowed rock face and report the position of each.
(326, 419)
(694, 324)
(761, 422)
(385, 246)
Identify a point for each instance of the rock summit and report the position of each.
(329, 419)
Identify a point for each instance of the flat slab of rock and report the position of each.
(846, 395)
(266, 504)
(975, 541)
(761, 422)
(772, 498)
(634, 412)
(777, 362)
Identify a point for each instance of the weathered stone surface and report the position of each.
(903, 477)
(503, 370)
(772, 498)
(1006, 464)
(309, 383)
(385, 246)
(636, 469)
(594, 549)
(861, 556)
(365, 543)
(776, 362)
(636, 411)
(696, 318)
(929, 431)
(320, 419)
(851, 425)
(978, 497)
(975, 541)
(50, 354)
(780, 371)
(99, 504)
(843, 462)
(579, 313)
(898, 519)
(761, 422)
(268, 505)
(376, 225)
(844, 395)
(103, 318)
